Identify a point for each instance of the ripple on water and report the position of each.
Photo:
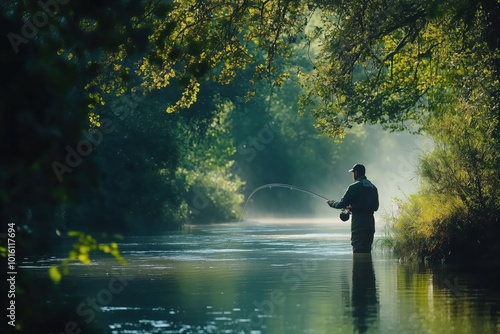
(277, 278)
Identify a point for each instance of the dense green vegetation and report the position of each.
(437, 72)
(136, 117)
(454, 216)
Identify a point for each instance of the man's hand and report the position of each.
(331, 203)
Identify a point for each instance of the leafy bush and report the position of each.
(455, 214)
(212, 191)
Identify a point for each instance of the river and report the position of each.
(276, 276)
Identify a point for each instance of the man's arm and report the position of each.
(345, 201)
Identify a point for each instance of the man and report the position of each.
(361, 198)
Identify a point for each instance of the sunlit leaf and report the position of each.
(54, 274)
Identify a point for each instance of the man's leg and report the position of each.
(361, 240)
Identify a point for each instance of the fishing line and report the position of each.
(279, 185)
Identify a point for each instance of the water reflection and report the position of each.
(278, 278)
(364, 296)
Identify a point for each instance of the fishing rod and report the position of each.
(280, 185)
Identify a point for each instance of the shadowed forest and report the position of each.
(138, 117)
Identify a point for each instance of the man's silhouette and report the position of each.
(361, 199)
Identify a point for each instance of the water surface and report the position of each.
(276, 276)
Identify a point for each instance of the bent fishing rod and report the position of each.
(280, 185)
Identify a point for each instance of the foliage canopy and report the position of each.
(431, 66)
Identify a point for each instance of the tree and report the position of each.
(374, 61)
(43, 113)
(389, 62)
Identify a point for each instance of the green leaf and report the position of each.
(54, 274)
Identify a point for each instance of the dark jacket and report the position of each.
(362, 196)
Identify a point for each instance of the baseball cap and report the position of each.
(358, 168)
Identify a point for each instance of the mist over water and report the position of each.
(391, 161)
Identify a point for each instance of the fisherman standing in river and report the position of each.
(361, 199)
